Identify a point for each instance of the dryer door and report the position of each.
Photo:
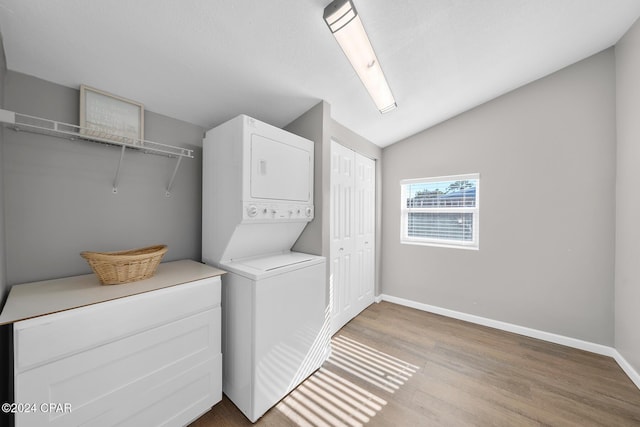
(280, 171)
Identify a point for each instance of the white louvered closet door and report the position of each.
(364, 227)
(352, 248)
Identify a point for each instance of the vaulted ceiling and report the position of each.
(205, 61)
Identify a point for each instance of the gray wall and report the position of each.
(318, 126)
(546, 155)
(3, 72)
(627, 283)
(58, 193)
(312, 125)
(6, 377)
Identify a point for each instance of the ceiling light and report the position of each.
(345, 24)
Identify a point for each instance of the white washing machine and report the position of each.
(257, 199)
(273, 335)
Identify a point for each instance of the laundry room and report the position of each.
(456, 249)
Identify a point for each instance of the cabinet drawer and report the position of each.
(49, 338)
(170, 371)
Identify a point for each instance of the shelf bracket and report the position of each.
(117, 178)
(173, 177)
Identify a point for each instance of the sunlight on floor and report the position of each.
(327, 399)
(376, 367)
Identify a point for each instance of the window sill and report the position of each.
(440, 245)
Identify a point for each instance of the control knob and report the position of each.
(252, 211)
(308, 211)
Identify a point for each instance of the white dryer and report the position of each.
(257, 199)
(257, 189)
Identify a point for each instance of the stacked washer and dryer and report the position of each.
(257, 199)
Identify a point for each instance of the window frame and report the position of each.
(474, 244)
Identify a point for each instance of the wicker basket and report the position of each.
(114, 268)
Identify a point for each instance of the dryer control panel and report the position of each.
(277, 212)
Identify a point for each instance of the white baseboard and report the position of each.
(627, 368)
(521, 330)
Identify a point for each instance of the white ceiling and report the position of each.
(205, 61)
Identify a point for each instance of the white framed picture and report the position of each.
(109, 116)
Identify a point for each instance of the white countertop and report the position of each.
(51, 296)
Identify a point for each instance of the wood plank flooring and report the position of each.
(396, 366)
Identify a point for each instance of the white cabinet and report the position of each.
(352, 234)
(149, 359)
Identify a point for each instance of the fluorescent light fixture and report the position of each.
(345, 24)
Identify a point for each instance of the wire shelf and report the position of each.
(24, 122)
(39, 125)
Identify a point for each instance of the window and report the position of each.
(441, 211)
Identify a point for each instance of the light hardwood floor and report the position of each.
(396, 366)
